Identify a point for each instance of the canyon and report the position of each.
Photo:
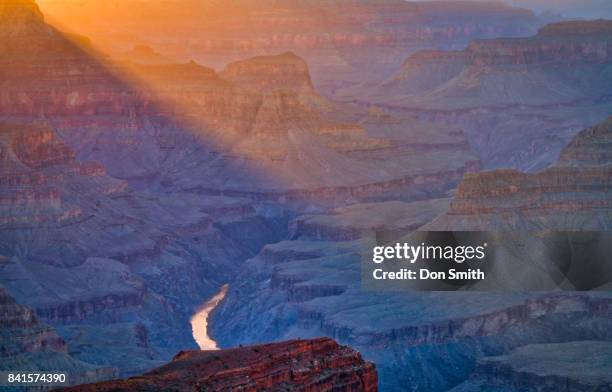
(217, 132)
(311, 285)
(344, 42)
(519, 100)
(132, 192)
(134, 187)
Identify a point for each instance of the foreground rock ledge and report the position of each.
(305, 365)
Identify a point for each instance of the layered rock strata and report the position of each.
(572, 194)
(344, 41)
(28, 345)
(310, 365)
(520, 101)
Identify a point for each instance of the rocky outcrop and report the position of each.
(99, 285)
(572, 194)
(24, 341)
(310, 286)
(38, 148)
(22, 332)
(268, 73)
(425, 71)
(37, 167)
(51, 203)
(19, 16)
(258, 123)
(89, 253)
(590, 148)
(311, 365)
(307, 149)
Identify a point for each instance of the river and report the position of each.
(199, 321)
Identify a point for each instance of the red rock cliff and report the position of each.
(305, 365)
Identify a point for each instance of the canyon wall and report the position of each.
(519, 100)
(258, 125)
(309, 365)
(27, 342)
(571, 194)
(131, 192)
(310, 285)
(345, 42)
(106, 265)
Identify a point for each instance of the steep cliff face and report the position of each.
(563, 42)
(572, 194)
(311, 365)
(590, 148)
(26, 342)
(199, 187)
(425, 71)
(519, 100)
(39, 148)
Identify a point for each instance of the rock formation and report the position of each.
(268, 73)
(343, 41)
(519, 100)
(145, 55)
(37, 171)
(310, 365)
(488, 71)
(572, 194)
(131, 192)
(26, 344)
(258, 127)
(310, 286)
(111, 286)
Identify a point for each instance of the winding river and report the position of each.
(199, 321)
